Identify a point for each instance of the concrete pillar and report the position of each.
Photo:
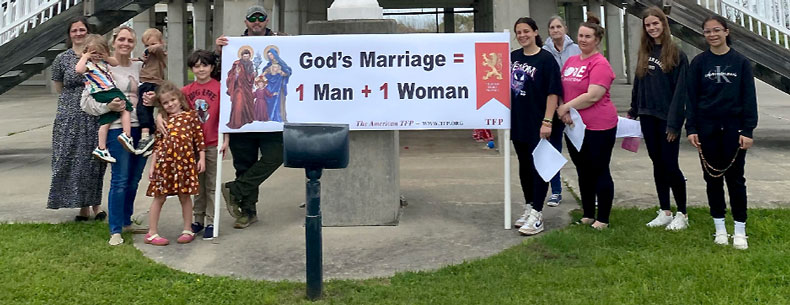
(614, 40)
(48, 81)
(276, 16)
(449, 20)
(541, 11)
(233, 13)
(505, 14)
(594, 7)
(632, 41)
(217, 28)
(574, 16)
(200, 25)
(140, 23)
(368, 191)
(176, 46)
(293, 14)
(484, 16)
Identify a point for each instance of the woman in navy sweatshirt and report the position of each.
(658, 98)
(720, 116)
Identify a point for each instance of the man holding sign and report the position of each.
(241, 194)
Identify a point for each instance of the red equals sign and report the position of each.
(458, 58)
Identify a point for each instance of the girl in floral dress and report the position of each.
(177, 159)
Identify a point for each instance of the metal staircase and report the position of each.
(32, 32)
(760, 30)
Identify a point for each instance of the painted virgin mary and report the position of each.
(277, 74)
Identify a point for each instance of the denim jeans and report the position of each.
(556, 140)
(126, 173)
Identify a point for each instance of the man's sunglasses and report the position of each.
(259, 18)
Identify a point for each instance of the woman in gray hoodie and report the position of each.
(561, 48)
(559, 44)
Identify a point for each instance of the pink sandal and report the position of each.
(155, 240)
(186, 237)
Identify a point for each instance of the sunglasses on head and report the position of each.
(259, 18)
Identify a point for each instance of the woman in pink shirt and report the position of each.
(586, 79)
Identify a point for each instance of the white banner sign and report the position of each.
(370, 82)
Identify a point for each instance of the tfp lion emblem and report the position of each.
(493, 61)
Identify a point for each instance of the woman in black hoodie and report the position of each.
(658, 98)
(720, 116)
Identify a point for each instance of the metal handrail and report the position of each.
(19, 16)
(771, 17)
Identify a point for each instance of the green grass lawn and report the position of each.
(71, 263)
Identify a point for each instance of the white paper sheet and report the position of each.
(575, 132)
(627, 128)
(548, 161)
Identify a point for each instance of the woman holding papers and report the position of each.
(720, 116)
(535, 92)
(586, 79)
(658, 99)
(562, 47)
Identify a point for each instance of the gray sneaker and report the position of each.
(230, 201)
(245, 221)
(145, 145)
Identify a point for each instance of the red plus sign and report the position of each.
(366, 91)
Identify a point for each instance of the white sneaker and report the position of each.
(660, 220)
(534, 224)
(127, 143)
(116, 239)
(680, 222)
(739, 242)
(103, 154)
(722, 238)
(523, 219)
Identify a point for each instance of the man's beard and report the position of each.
(260, 32)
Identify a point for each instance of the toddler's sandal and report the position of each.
(186, 237)
(156, 240)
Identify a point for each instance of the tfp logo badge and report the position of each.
(492, 77)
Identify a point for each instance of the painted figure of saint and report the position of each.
(240, 81)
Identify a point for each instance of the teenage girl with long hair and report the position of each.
(658, 99)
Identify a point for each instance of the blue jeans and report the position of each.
(126, 173)
(556, 140)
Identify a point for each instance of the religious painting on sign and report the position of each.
(257, 94)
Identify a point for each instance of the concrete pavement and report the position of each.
(453, 187)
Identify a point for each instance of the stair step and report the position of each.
(36, 61)
(58, 47)
(132, 7)
(10, 74)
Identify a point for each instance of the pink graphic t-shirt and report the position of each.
(577, 75)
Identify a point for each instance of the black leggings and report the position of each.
(664, 155)
(532, 184)
(719, 144)
(592, 167)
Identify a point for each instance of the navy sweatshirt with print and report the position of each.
(661, 94)
(721, 88)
